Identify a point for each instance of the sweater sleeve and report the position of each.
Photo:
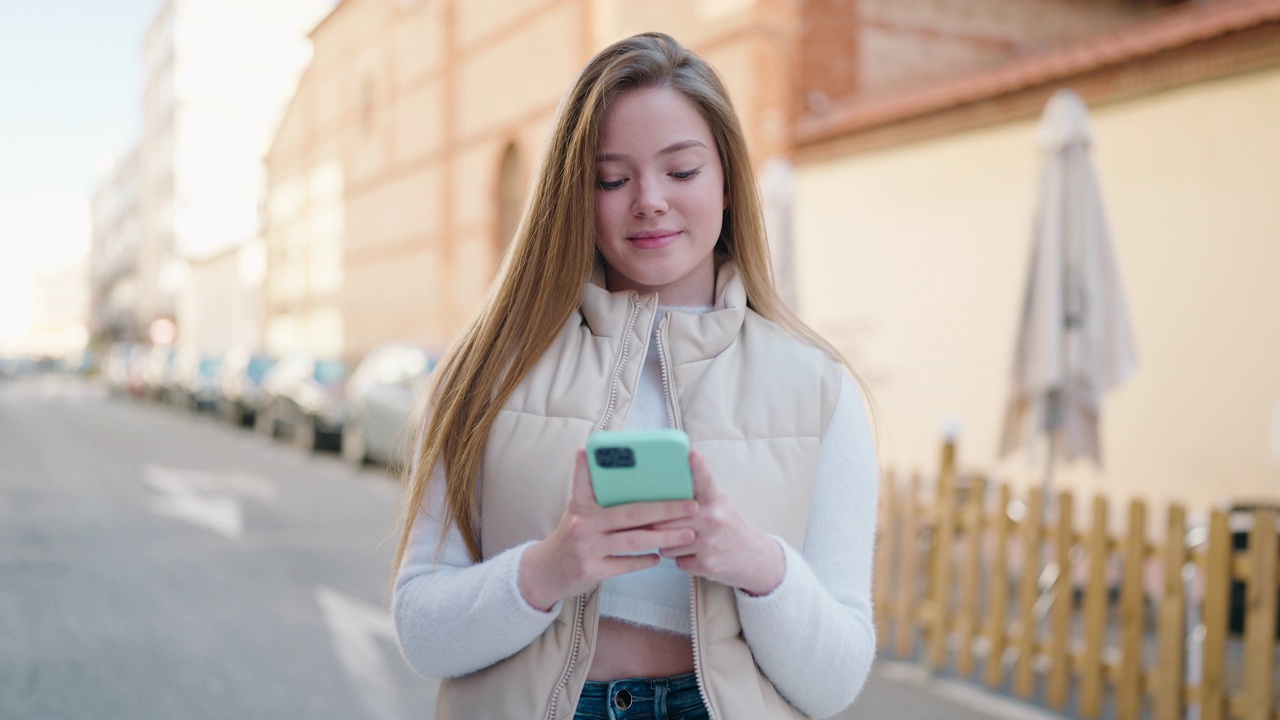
(813, 636)
(454, 616)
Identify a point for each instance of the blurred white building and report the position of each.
(44, 274)
(218, 74)
(60, 312)
(221, 301)
(113, 257)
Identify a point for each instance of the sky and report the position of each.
(70, 96)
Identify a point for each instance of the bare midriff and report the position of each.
(630, 651)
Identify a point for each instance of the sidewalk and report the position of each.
(903, 690)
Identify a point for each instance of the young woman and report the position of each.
(638, 295)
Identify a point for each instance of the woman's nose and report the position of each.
(648, 200)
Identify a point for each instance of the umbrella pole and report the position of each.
(1047, 582)
(1053, 422)
(1047, 486)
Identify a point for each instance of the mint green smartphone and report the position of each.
(639, 466)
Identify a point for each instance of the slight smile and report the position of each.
(653, 239)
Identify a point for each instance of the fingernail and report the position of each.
(690, 508)
(686, 536)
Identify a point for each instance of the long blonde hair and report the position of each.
(553, 255)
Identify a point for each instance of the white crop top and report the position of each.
(660, 596)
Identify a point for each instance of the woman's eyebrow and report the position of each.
(673, 148)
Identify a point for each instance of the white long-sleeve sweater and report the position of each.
(813, 636)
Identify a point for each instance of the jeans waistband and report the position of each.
(642, 698)
(675, 683)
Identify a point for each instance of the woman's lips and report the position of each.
(653, 239)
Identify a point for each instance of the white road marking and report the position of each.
(355, 627)
(221, 515)
(209, 500)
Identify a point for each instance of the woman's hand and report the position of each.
(587, 545)
(727, 548)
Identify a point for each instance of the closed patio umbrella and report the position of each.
(1074, 341)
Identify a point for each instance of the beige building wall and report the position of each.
(418, 126)
(913, 260)
(304, 212)
(421, 108)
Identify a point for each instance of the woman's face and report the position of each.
(660, 197)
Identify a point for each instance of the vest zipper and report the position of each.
(666, 375)
(693, 582)
(622, 361)
(579, 618)
(697, 656)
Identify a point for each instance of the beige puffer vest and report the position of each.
(754, 401)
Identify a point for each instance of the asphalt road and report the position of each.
(159, 564)
(155, 564)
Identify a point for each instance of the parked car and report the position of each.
(14, 366)
(240, 393)
(82, 362)
(304, 400)
(381, 397)
(115, 367)
(157, 374)
(195, 384)
(139, 356)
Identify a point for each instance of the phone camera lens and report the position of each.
(612, 457)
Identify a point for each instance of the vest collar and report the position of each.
(699, 336)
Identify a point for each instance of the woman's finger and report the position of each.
(581, 490)
(679, 552)
(679, 523)
(621, 564)
(633, 541)
(704, 485)
(644, 514)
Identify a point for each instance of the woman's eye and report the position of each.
(685, 175)
(610, 185)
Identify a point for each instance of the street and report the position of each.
(159, 564)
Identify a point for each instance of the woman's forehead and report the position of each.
(653, 122)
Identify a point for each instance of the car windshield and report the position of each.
(329, 372)
(209, 367)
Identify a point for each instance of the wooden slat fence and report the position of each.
(1027, 597)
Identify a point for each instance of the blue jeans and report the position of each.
(669, 698)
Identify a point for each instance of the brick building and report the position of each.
(400, 169)
(894, 139)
